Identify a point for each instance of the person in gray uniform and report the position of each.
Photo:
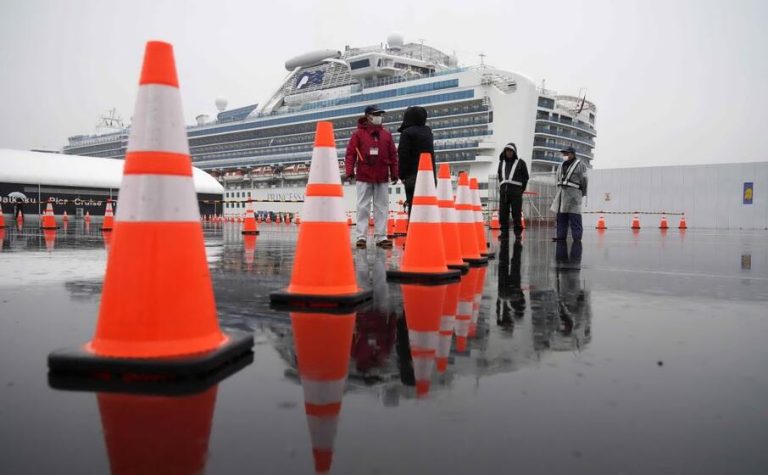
(571, 188)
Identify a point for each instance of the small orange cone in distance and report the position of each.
(423, 310)
(349, 219)
(2, 217)
(249, 226)
(470, 251)
(65, 217)
(635, 222)
(50, 239)
(601, 223)
(109, 220)
(522, 220)
(87, 217)
(495, 224)
(683, 224)
(322, 344)
(663, 224)
(449, 220)
(477, 207)
(49, 220)
(323, 242)
(424, 256)
(401, 224)
(157, 312)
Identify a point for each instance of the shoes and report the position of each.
(384, 244)
(362, 244)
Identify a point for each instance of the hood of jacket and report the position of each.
(414, 115)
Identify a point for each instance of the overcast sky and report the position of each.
(675, 82)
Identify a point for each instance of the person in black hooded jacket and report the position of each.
(513, 179)
(415, 138)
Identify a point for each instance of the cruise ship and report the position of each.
(263, 151)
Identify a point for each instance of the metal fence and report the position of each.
(536, 202)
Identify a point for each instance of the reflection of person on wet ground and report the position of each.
(569, 291)
(375, 325)
(18, 208)
(403, 348)
(511, 299)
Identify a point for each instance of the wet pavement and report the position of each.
(631, 353)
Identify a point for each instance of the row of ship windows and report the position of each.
(555, 130)
(542, 115)
(327, 115)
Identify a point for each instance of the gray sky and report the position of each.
(675, 82)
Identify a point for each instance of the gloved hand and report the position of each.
(350, 177)
(394, 180)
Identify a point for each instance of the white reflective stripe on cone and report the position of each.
(323, 209)
(323, 392)
(322, 431)
(422, 367)
(444, 191)
(446, 323)
(425, 214)
(158, 198)
(445, 215)
(466, 216)
(325, 166)
(462, 327)
(444, 348)
(425, 184)
(423, 340)
(465, 308)
(463, 196)
(158, 121)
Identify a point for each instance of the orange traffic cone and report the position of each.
(50, 239)
(107, 236)
(601, 223)
(109, 219)
(2, 217)
(464, 309)
(449, 220)
(447, 323)
(323, 241)
(249, 226)
(664, 224)
(482, 243)
(65, 217)
(269, 218)
(470, 251)
(249, 248)
(157, 313)
(87, 218)
(297, 221)
(635, 222)
(2, 238)
(349, 219)
(401, 224)
(422, 317)
(157, 434)
(424, 256)
(683, 224)
(49, 220)
(322, 344)
(495, 224)
(522, 220)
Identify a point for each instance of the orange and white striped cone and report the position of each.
(635, 222)
(424, 256)
(422, 317)
(470, 250)
(401, 224)
(391, 226)
(447, 324)
(2, 238)
(601, 223)
(349, 219)
(683, 224)
(65, 217)
(269, 219)
(157, 434)
(249, 250)
(495, 224)
(87, 218)
(157, 313)
(449, 220)
(464, 309)
(107, 236)
(2, 217)
(50, 239)
(482, 242)
(522, 220)
(322, 344)
(49, 220)
(297, 221)
(249, 226)
(664, 224)
(323, 242)
(109, 219)
(370, 221)
(477, 300)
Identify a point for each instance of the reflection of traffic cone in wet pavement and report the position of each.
(464, 309)
(635, 222)
(49, 220)
(522, 220)
(107, 236)
(470, 251)
(601, 223)
(109, 220)
(322, 343)
(401, 224)
(391, 226)
(424, 256)
(477, 299)
(249, 247)
(50, 239)
(423, 310)
(449, 220)
(447, 323)
(495, 224)
(157, 434)
(65, 217)
(157, 313)
(683, 224)
(323, 271)
(87, 218)
(663, 224)
(482, 243)
(249, 226)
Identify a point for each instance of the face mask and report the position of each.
(376, 120)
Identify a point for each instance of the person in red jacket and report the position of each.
(372, 160)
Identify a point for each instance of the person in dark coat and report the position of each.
(513, 179)
(415, 139)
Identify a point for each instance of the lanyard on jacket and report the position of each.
(566, 181)
(511, 174)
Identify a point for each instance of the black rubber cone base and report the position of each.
(464, 268)
(483, 261)
(79, 369)
(50, 228)
(250, 233)
(488, 255)
(405, 277)
(284, 300)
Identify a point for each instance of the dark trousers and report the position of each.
(566, 219)
(409, 183)
(511, 202)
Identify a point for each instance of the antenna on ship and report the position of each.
(421, 52)
(110, 121)
(482, 60)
